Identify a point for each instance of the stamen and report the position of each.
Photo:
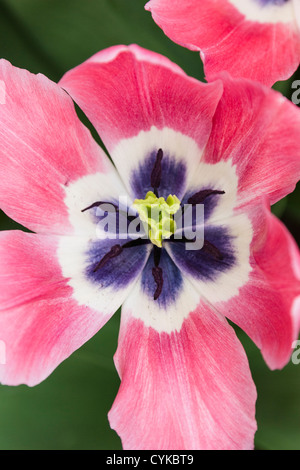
(200, 196)
(115, 250)
(158, 278)
(208, 247)
(137, 242)
(156, 172)
(99, 203)
(156, 255)
(211, 249)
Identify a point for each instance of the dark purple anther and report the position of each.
(158, 278)
(212, 250)
(156, 172)
(115, 250)
(99, 203)
(199, 197)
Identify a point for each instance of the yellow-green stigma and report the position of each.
(156, 214)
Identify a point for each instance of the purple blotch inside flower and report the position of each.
(172, 175)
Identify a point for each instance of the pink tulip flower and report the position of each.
(231, 147)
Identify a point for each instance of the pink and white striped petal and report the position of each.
(41, 320)
(137, 99)
(255, 39)
(267, 307)
(257, 129)
(177, 391)
(44, 148)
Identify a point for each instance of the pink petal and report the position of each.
(126, 90)
(44, 147)
(41, 323)
(266, 305)
(190, 389)
(258, 130)
(244, 38)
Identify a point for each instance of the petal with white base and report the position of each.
(256, 39)
(189, 389)
(44, 148)
(139, 101)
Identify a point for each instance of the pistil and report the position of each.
(156, 215)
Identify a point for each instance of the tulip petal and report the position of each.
(266, 308)
(140, 102)
(188, 389)
(45, 315)
(257, 130)
(44, 148)
(256, 39)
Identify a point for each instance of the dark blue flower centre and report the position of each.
(115, 263)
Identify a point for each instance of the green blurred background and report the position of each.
(69, 409)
